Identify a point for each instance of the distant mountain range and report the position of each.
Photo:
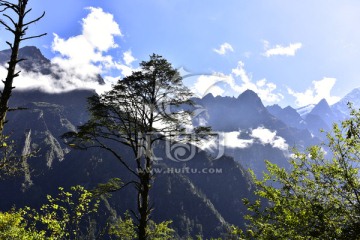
(203, 204)
(208, 202)
(317, 116)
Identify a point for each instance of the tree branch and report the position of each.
(37, 36)
(35, 20)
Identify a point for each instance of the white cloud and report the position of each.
(319, 90)
(128, 57)
(224, 48)
(281, 50)
(207, 84)
(85, 54)
(233, 140)
(99, 28)
(266, 136)
(224, 140)
(125, 70)
(81, 58)
(235, 83)
(65, 81)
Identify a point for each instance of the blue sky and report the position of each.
(289, 52)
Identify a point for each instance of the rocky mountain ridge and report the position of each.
(198, 203)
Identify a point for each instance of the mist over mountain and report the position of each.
(262, 133)
(205, 204)
(38, 72)
(209, 203)
(203, 198)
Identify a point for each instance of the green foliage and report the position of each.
(125, 229)
(104, 189)
(160, 231)
(318, 199)
(60, 218)
(10, 164)
(14, 226)
(66, 211)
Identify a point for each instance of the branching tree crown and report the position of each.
(145, 107)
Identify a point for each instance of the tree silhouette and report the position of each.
(141, 109)
(18, 28)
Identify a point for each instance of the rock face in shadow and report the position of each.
(198, 202)
(247, 113)
(35, 61)
(201, 196)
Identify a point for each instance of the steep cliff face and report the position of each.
(198, 202)
(202, 195)
(35, 61)
(229, 113)
(255, 133)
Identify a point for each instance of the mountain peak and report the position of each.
(352, 97)
(321, 107)
(248, 93)
(341, 108)
(290, 109)
(33, 53)
(250, 96)
(30, 51)
(35, 60)
(323, 102)
(208, 96)
(274, 109)
(323, 110)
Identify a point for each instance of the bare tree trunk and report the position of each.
(143, 209)
(18, 30)
(143, 200)
(8, 83)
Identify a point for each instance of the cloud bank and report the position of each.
(259, 135)
(235, 83)
(280, 50)
(266, 136)
(319, 90)
(233, 140)
(80, 60)
(224, 48)
(85, 54)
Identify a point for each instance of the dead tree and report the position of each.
(18, 28)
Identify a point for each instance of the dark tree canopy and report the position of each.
(149, 105)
